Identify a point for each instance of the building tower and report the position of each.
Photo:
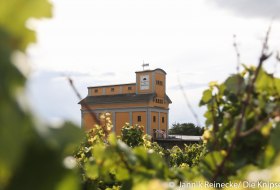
(144, 102)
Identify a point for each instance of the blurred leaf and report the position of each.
(65, 138)
(268, 157)
(264, 81)
(112, 139)
(92, 171)
(265, 130)
(98, 152)
(206, 97)
(41, 168)
(213, 159)
(235, 83)
(126, 151)
(15, 24)
(275, 137)
(122, 174)
(69, 182)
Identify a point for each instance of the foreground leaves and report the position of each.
(242, 117)
(32, 156)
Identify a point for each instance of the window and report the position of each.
(162, 119)
(139, 118)
(112, 89)
(154, 119)
(129, 88)
(160, 101)
(158, 82)
(95, 90)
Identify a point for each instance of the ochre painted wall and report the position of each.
(126, 91)
(115, 91)
(155, 104)
(163, 125)
(88, 121)
(91, 91)
(118, 89)
(154, 124)
(160, 89)
(143, 121)
(128, 105)
(121, 119)
(124, 117)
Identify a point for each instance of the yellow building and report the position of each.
(144, 102)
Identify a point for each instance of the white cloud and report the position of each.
(251, 8)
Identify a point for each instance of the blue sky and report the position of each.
(99, 42)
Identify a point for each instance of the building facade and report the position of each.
(144, 102)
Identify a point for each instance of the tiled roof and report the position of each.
(120, 98)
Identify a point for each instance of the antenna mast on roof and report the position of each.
(145, 65)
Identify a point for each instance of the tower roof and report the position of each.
(158, 69)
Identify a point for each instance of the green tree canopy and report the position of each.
(186, 129)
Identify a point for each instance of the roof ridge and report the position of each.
(112, 85)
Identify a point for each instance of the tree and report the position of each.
(132, 135)
(186, 129)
